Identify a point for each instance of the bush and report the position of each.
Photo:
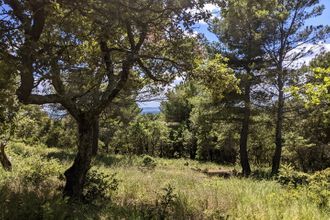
(99, 186)
(317, 185)
(148, 162)
(289, 176)
(166, 202)
(319, 188)
(37, 172)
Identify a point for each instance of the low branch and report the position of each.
(42, 99)
(148, 72)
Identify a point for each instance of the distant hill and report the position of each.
(150, 110)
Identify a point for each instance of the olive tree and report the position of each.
(81, 54)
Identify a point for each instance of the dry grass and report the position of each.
(141, 192)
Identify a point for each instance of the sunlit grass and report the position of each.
(35, 186)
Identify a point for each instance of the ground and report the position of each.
(140, 188)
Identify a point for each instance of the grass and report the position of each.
(171, 190)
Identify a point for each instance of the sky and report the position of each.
(324, 19)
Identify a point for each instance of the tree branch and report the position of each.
(148, 72)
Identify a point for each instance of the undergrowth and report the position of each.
(117, 188)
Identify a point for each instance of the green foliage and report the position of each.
(242, 28)
(8, 102)
(319, 188)
(289, 176)
(178, 106)
(302, 153)
(317, 91)
(34, 125)
(317, 185)
(171, 191)
(166, 201)
(215, 75)
(99, 187)
(38, 172)
(96, 58)
(148, 162)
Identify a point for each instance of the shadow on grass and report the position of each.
(111, 160)
(262, 174)
(27, 204)
(61, 155)
(108, 160)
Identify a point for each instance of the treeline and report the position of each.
(194, 124)
(244, 96)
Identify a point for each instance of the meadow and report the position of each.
(136, 187)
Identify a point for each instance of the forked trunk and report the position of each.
(87, 148)
(5, 162)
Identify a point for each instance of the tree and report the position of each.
(117, 116)
(286, 44)
(8, 109)
(315, 91)
(241, 31)
(81, 54)
(177, 110)
(312, 121)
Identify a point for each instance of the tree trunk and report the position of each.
(107, 149)
(246, 170)
(193, 149)
(278, 129)
(87, 148)
(5, 162)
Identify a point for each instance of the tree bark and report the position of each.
(193, 149)
(107, 148)
(278, 129)
(246, 170)
(87, 148)
(5, 162)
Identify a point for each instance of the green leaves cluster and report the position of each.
(317, 91)
(217, 77)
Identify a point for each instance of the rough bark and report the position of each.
(5, 162)
(87, 148)
(246, 170)
(278, 129)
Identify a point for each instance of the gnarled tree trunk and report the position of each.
(87, 148)
(5, 162)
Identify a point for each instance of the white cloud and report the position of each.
(313, 50)
(212, 8)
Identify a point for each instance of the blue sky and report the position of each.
(324, 19)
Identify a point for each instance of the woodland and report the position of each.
(243, 128)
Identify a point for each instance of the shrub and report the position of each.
(148, 162)
(36, 171)
(99, 186)
(166, 201)
(289, 176)
(318, 184)
(18, 148)
(319, 188)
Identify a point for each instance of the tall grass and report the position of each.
(170, 190)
